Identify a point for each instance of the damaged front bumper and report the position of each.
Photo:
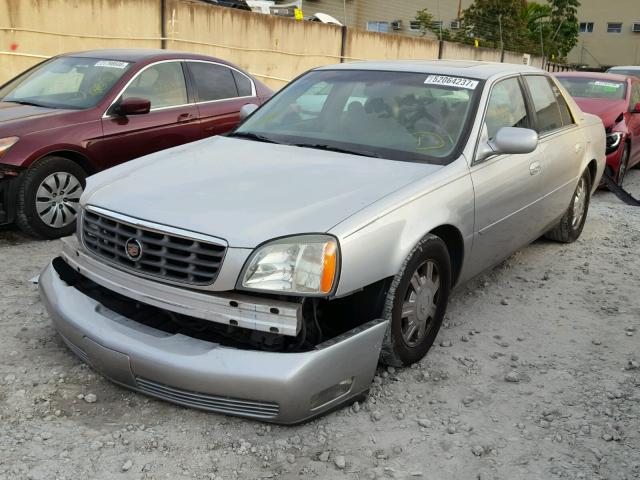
(276, 387)
(9, 183)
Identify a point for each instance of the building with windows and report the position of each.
(609, 33)
(386, 16)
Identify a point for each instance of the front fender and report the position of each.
(375, 241)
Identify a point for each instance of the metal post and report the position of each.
(344, 11)
(343, 43)
(163, 24)
(541, 46)
(501, 42)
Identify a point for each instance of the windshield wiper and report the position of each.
(254, 136)
(331, 148)
(25, 102)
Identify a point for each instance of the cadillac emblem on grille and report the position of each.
(133, 249)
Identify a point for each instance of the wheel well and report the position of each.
(75, 157)
(593, 169)
(452, 237)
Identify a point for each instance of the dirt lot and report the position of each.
(535, 376)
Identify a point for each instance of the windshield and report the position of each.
(66, 82)
(394, 115)
(594, 88)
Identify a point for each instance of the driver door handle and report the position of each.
(535, 168)
(185, 117)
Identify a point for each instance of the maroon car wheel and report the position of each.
(49, 198)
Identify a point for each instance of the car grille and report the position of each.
(212, 403)
(168, 256)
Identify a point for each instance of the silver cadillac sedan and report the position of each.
(267, 272)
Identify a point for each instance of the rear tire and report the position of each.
(416, 303)
(49, 198)
(570, 227)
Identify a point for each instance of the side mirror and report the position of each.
(509, 141)
(247, 110)
(636, 108)
(133, 106)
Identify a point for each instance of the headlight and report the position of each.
(613, 141)
(300, 265)
(6, 143)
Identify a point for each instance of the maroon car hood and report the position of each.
(607, 110)
(14, 111)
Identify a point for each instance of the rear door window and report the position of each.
(213, 81)
(548, 113)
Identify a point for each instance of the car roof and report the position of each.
(599, 75)
(136, 55)
(463, 68)
(635, 68)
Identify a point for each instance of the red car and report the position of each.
(76, 114)
(616, 100)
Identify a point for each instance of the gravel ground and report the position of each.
(535, 375)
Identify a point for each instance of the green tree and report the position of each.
(495, 23)
(522, 26)
(565, 26)
(427, 23)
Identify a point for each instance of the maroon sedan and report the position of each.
(76, 114)
(616, 100)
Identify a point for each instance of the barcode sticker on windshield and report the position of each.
(451, 81)
(112, 64)
(608, 84)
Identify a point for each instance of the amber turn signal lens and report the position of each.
(330, 262)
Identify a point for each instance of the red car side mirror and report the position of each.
(636, 108)
(133, 106)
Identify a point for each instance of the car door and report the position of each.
(561, 146)
(633, 122)
(172, 120)
(508, 188)
(220, 93)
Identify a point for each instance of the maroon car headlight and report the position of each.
(613, 141)
(6, 143)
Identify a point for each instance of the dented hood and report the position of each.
(248, 192)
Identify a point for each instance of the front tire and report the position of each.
(572, 222)
(49, 198)
(624, 165)
(416, 303)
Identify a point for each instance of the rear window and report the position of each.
(594, 88)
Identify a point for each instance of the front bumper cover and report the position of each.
(269, 386)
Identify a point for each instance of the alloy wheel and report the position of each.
(57, 199)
